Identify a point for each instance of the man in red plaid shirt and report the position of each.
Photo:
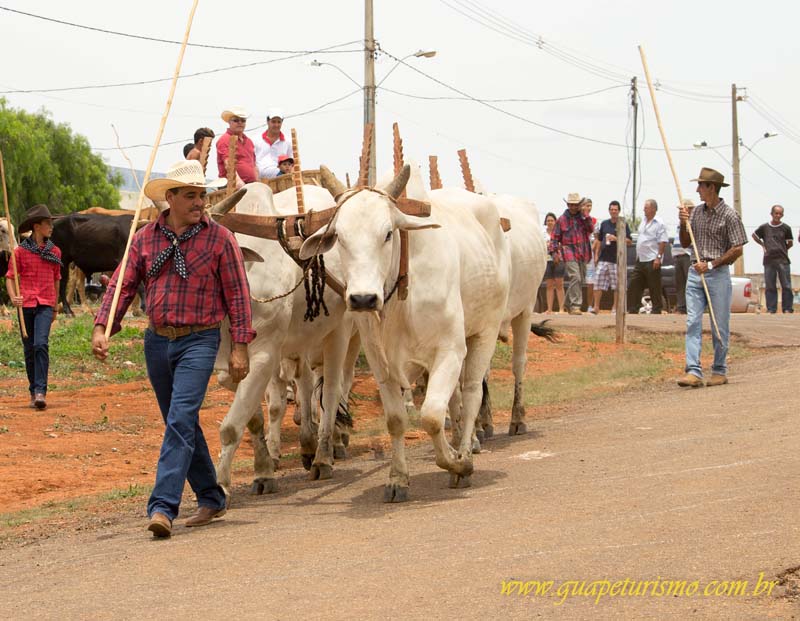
(571, 237)
(38, 263)
(194, 276)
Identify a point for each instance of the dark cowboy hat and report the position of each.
(35, 214)
(709, 175)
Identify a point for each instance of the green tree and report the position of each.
(46, 163)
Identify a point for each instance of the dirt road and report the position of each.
(671, 484)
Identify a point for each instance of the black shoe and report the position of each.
(38, 402)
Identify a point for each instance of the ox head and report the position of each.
(6, 233)
(366, 229)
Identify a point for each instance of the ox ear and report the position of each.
(319, 243)
(413, 223)
(330, 182)
(251, 255)
(398, 184)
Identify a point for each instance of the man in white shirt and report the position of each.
(650, 246)
(271, 145)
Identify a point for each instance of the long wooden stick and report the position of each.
(297, 174)
(13, 244)
(205, 147)
(123, 264)
(403, 277)
(436, 180)
(677, 185)
(230, 164)
(465, 170)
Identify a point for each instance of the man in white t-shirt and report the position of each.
(271, 145)
(650, 246)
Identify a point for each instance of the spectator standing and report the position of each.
(605, 253)
(194, 277)
(554, 272)
(586, 208)
(775, 238)
(39, 267)
(682, 257)
(650, 245)
(569, 243)
(719, 235)
(271, 145)
(236, 118)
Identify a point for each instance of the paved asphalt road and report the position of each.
(669, 484)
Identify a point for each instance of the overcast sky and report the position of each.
(485, 50)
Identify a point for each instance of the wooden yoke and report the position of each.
(297, 174)
(363, 163)
(402, 274)
(205, 147)
(230, 165)
(436, 180)
(465, 170)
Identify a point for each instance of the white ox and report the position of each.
(282, 333)
(449, 321)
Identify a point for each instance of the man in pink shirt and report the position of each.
(236, 118)
(272, 145)
(38, 263)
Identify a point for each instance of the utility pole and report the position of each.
(369, 82)
(635, 104)
(738, 266)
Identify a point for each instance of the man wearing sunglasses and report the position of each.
(236, 118)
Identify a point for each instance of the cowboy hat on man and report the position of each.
(234, 111)
(183, 174)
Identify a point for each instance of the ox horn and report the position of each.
(330, 182)
(228, 203)
(398, 184)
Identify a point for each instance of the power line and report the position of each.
(767, 164)
(174, 42)
(155, 81)
(252, 129)
(507, 100)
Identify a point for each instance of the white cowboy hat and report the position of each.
(183, 174)
(573, 198)
(234, 111)
(275, 112)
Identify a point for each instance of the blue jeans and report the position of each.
(773, 272)
(179, 371)
(720, 290)
(37, 346)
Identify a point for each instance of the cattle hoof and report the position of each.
(479, 433)
(395, 493)
(516, 429)
(488, 431)
(339, 452)
(447, 423)
(321, 472)
(263, 486)
(476, 446)
(460, 481)
(307, 461)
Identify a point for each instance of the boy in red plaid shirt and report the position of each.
(38, 263)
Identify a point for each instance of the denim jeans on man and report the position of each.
(720, 290)
(576, 277)
(179, 371)
(773, 272)
(38, 320)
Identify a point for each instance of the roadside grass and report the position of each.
(71, 360)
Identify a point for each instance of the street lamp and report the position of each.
(750, 148)
(417, 54)
(316, 63)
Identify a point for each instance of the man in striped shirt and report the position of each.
(194, 276)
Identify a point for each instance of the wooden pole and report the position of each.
(436, 180)
(364, 162)
(134, 223)
(230, 165)
(13, 243)
(622, 279)
(402, 287)
(205, 147)
(677, 184)
(465, 170)
(297, 174)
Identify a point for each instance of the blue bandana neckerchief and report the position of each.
(173, 249)
(46, 253)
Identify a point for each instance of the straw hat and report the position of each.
(573, 198)
(709, 175)
(183, 174)
(35, 214)
(234, 111)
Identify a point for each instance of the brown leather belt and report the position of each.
(172, 333)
